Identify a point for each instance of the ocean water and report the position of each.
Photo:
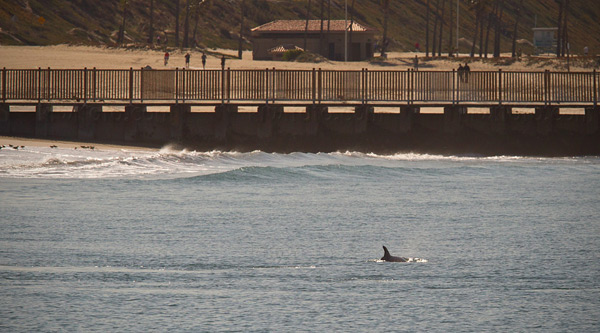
(135, 241)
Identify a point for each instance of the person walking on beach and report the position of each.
(467, 70)
(166, 58)
(461, 73)
(222, 62)
(203, 60)
(416, 63)
(187, 60)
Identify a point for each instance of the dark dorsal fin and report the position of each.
(386, 253)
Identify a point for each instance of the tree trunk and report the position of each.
(516, 28)
(186, 24)
(481, 29)
(435, 26)
(450, 44)
(151, 30)
(321, 32)
(351, 24)
(196, 19)
(177, 22)
(121, 35)
(559, 35)
(329, 27)
(491, 19)
(306, 26)
(565, 30)
(386, 15)
(498, 26)
(441, 28)
(241, 38)
(477, 23)
(427, 31)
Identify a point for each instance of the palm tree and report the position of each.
(242, 16)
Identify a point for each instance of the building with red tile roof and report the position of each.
(330, 45)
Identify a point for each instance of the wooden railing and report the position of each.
(307, 86)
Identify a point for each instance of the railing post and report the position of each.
(320, 85)
(85, 84)
(546, 86)
(222, 85)
(176, 85)
(454, 85)
(411, 84)
(130, 85)
(142, 85)
(39, 91)
(228, 84)
(364, 87)
(267, 86)
(314, 85)
(274, 76)
(4, 84)
(595, 89)
(48, 83)
(500, 86)
(94, 84)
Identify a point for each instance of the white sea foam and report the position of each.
(169, 162)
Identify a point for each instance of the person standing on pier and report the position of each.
(187, 60)
(203, 60)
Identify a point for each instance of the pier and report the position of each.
(309, 110)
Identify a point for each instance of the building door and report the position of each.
(331, 51)
(355, 52)
(369, 49)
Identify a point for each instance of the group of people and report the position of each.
(464, 72)
(187, 60)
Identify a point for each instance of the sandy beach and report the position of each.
(8, 141)
(65, 56)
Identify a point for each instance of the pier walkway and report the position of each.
(297, 87)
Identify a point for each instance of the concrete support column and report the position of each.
(453, 118)
(361, 117)
(592, 120)
(87, 116)
(43, 118)
(544, 117)
(4, 119)
(268, 115)
(134, 114)
(314, 114)
(178, 115)
(500, 116)
(224, 115)
(407, 115)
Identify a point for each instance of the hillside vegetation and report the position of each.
(216, 23)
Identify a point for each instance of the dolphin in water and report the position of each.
(391, 258)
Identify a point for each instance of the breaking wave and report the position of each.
(169, 163)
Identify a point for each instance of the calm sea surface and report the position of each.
(124, 240)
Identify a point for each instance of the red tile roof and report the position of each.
(313, 26)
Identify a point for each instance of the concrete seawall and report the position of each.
(455, 131)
